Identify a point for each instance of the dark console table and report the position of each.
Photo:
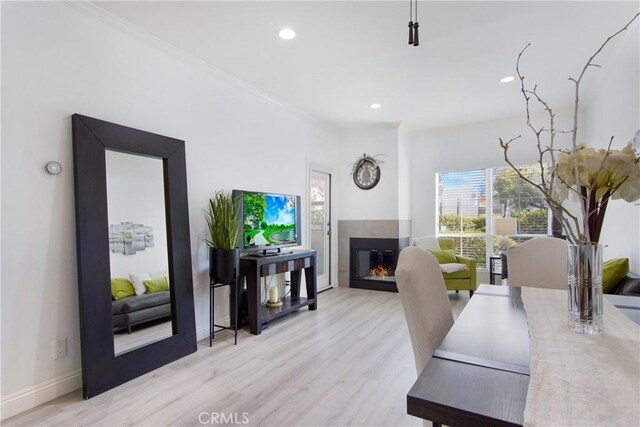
(254, 267)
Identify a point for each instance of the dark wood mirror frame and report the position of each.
(101, 369)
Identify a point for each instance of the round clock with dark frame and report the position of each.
(366, 174)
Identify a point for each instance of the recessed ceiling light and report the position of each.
(507, 79)
(375, 106)
(287, 34)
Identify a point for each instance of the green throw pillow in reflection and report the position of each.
(121, 288)
(613, 271)
(156, 285)
(447, 256)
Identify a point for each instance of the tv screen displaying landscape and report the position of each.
(268, 220)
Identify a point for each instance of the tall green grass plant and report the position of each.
(222, 221)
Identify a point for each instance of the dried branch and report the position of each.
(593, 210)
(552, 134)
(544, 190)
(558, 131)
(537, 132)
(574, 137)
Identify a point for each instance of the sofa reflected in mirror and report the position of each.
(139, 320)
(138, 253)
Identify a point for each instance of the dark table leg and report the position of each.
(295, 283)
(253, 302)
(310, 278)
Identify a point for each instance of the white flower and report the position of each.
(602, 174)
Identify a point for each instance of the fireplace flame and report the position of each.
(380, 271)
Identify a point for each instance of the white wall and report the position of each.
(58, 59)
(404, 173)
(467, 147)
(381, 202)
(135, 193)
(615, 111)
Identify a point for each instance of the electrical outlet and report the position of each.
(59, 348)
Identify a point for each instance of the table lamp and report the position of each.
(504, 227)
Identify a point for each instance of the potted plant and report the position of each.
(223, 233)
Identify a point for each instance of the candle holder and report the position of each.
(274, 304)
(274, 300)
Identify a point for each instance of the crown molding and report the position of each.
(94, 11)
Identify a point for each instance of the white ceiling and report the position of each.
(348, 55)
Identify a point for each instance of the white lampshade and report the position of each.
(504, 226)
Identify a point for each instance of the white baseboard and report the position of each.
(202, 332)
(38, 394)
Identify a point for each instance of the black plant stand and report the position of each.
(233, 326)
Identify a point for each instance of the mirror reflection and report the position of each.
(140, 297)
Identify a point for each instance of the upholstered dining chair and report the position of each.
(539, 262)
(424, 300)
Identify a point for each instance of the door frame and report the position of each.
(329, 171)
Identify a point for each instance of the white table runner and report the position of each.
(578, 379)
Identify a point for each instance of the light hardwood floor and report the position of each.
(349, 363)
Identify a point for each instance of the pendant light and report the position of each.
(413, 26)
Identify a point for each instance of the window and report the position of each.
(466, 214)
(462, 211)
(513, 197)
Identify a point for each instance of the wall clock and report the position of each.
(366, 174)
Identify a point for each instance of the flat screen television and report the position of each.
(270, 221)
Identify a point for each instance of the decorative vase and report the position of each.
(585, 288)
(224, 264)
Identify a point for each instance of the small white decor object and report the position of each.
(54, 168)
(273, 293)
(273, 297)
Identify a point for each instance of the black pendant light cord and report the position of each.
(413, 26)
(410, 21)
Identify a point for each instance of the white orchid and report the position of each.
(602, 175)
(612, 174)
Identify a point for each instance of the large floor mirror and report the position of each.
(134, 256)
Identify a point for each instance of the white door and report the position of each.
(321, 225)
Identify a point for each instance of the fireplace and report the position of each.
(373, 263)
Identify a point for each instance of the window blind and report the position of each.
(462, 202)
(465, 215)
(462, 206)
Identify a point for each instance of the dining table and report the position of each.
(507, 361)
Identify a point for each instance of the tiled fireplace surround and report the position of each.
(386, 229)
